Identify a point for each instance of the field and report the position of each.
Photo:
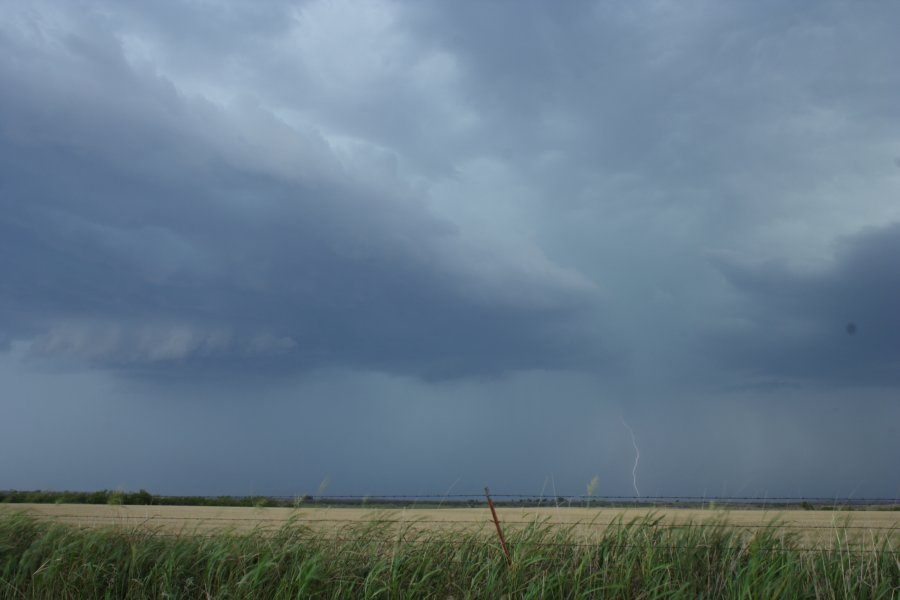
(816, 527)
(90, 551)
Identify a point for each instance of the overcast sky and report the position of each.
(383, 247)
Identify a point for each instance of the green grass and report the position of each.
(40, 559)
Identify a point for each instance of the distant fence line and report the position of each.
(570, 500)
(583, 497)
(143, 497)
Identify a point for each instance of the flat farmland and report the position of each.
(819, 528)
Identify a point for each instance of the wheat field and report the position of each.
(817, 527)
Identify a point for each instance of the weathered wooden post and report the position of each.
(487, 494)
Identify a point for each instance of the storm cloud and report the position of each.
(449, 235)
(837, 322)
(141, 225)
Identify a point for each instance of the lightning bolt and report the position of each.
(637, 455)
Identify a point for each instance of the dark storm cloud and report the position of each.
(683, 99)
(835, 324)
(236, 179)
(369, 204)
(144, 228)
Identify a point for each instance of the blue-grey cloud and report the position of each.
(142, 226)
(835, 323)
(369, 205)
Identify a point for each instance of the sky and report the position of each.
(420, 247)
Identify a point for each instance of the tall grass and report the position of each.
(640, 559)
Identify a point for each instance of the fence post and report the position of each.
(487, 494)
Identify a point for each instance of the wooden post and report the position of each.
(487, 494)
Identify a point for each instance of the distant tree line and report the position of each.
(141, 497)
